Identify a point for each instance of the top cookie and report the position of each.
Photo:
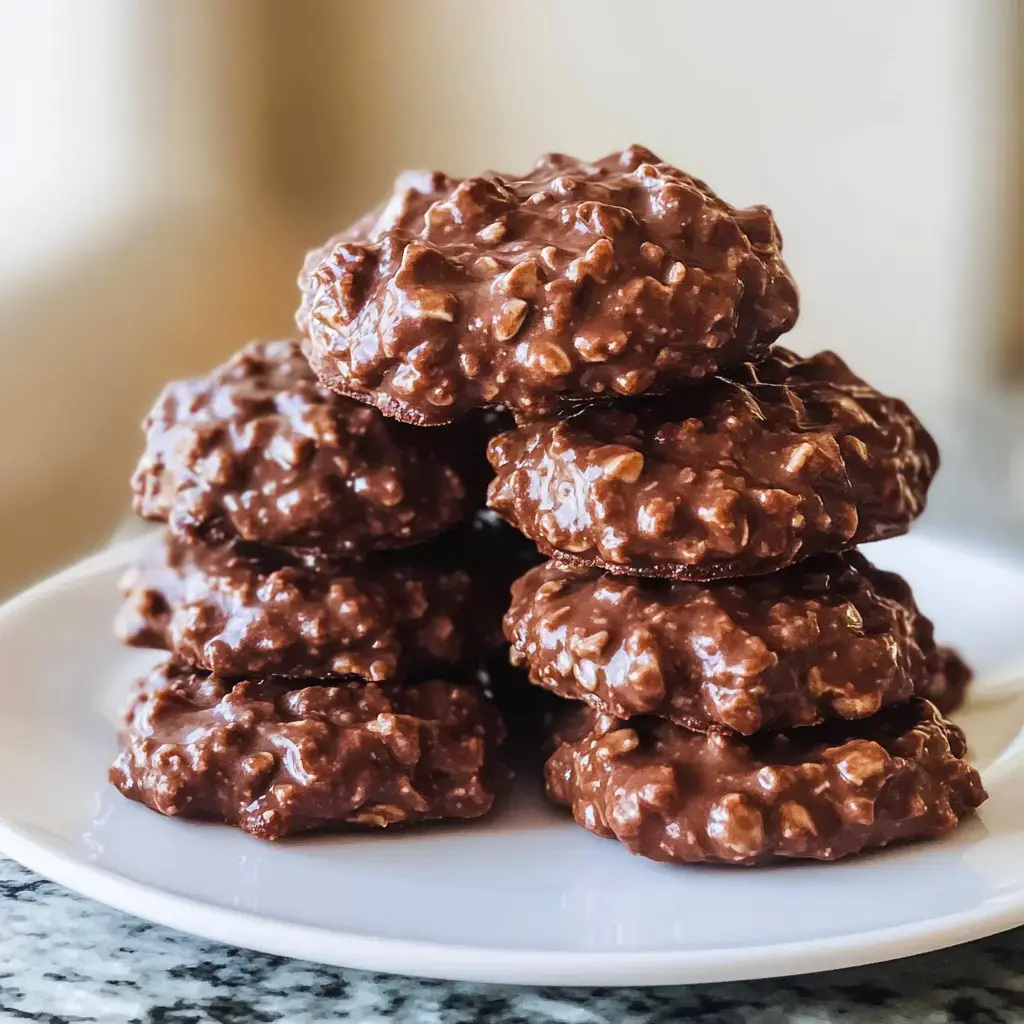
(773, 463)
(622, 277)
(257, 450)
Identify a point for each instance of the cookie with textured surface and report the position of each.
(619, 277)
(766, 465)
(258, 450)
(822, 793)
(830, 637)
(275, 758)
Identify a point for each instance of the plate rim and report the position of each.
(497, 965)
(454, 962)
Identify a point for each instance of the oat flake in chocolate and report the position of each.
(275, 759)
(831, 637)
(257, 450)
(619, 277)
(823, 793)
(757, 469)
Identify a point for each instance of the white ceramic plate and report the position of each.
(527, 897)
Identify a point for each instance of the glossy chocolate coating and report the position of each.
(241, 611)
(831, 637)
(746, 475)
(258, 451)
(823, 793)
(576, 280)
(274, 758)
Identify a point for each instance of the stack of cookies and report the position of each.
(742, 683)
(315, 591)
(738, 682)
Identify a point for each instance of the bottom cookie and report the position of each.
(822, 792)
(275, 759)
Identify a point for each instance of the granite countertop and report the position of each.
(66, 959)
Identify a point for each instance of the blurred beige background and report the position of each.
(167, 162)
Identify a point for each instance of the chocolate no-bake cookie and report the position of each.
(829, 637)
(274, 759)
(258, 450)
(247, 610)
(623, 276)
(749, 473)
(239, 610)
(823, 793)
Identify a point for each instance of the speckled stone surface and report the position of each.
(66, 959)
